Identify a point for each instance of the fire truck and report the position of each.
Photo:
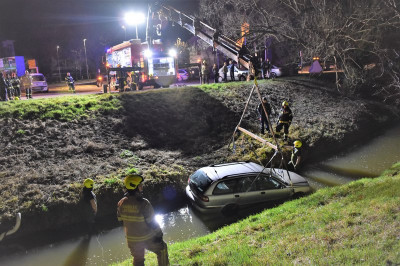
(147, 63)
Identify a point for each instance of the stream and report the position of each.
(110, 246)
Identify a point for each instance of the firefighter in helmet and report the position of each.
(90, 203)
(70, 82)
(295, 159)
(284, 120)
(262, 116)
(141, 228)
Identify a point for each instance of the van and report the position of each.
(39, 82)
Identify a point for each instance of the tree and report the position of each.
(360, 37)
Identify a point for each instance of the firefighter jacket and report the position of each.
(26, 80)
(69, 80)
(138, 217)
(296, 153)
(285, 115)
(15, 82)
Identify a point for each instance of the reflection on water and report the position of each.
(369, 160)
(110, 246)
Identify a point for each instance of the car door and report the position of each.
(264, 188)
(224, 193)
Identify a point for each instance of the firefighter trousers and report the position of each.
(158, 247)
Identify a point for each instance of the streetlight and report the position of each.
(124, 31)
(58, 64)
(135, 19)
(87, 70)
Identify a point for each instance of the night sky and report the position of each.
(38, 26)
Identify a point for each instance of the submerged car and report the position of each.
(228, 187)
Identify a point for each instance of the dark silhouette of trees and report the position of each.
(362, 38)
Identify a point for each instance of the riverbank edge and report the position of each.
(356, 223)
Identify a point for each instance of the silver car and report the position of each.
(240, 74)
(227, 187)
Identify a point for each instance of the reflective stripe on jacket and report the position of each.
(136, 215)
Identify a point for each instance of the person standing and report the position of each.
(141, 229)
(263, 117)
(70, 82)
(27, 83)
(3, 88)
(232, 70)
(295, 159)
(225, 71)
(90, 202)
(16, 83)
(10, 88)
(267, 68)
(284, 120)
(215, 71)
(205, 73)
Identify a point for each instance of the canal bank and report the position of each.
(164, 134)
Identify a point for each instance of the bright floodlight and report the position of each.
(134, 18)
(148, 53)
(172, 53)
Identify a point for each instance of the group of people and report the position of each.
(254, 68)
(284, 121)
(11, 86)
(137, 214)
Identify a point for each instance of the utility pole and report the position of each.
(87, 69)
(58, 64)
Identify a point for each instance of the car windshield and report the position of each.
(200, 181)
(38, 78)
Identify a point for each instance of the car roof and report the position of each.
(219, 171)
(36, 74)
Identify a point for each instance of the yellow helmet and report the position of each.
(297, 144)
(133, 181)
(285, 103)
(88, 183)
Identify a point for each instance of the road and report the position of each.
(84, 87)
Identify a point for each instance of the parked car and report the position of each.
(39, 82)
(182, 75)
(240, 74)
(276, 71)
(228, 187)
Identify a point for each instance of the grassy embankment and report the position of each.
(60, 108)
(357, 223)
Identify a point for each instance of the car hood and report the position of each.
(287, 176)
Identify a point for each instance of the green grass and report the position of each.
(357, 223)
(64, 108)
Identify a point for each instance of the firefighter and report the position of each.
(16, 83)
(205, 73)
(295, 159)
(121, 79)
(232, 70)
(215, 73)
(141, 228)
(90, 201)
(262, 116)
(27, 83)
(10, 88)
(225, 70)
(3, 88)
(70, 82)
(284, 120)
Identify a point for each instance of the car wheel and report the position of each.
(273, 75)
(242, 78)
(230, 209)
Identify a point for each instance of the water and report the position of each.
(110, 246)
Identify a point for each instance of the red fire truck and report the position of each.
(150, 65)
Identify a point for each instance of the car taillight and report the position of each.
(203, 198)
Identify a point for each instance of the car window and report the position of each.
(245, 183)
(265, 183)
(226, 187)
(38, 78)
(200, 181)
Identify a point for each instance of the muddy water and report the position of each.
(110, 246)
